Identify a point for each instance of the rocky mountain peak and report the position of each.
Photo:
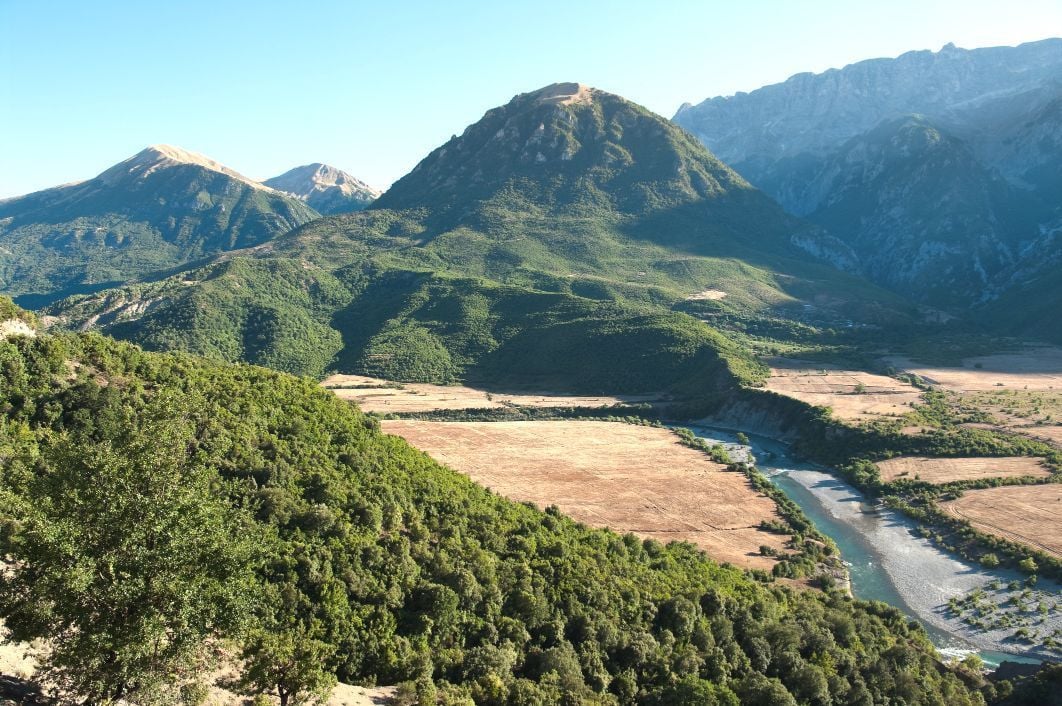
(565, 143)
(568, 93)
(325, 188)
(156, 157)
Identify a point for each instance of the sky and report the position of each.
(372, 87)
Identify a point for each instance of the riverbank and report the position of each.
(888, 560)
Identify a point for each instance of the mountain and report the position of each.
(161, 208)
(940, 170)
(561, 242)
(921, 212)
(811, 114)
(326, 189)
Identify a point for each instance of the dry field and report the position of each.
(944, 470)
(385, 397)
(606, 474)
(1035, 368)
(1029, 514)
(854, 396)
(1022, 391)
(1035, 413)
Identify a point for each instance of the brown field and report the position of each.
(1022, 513)
(1035, 368)
(385, 397)
(1021, 391)
(854, 396)
(605, 474)
(944, 470)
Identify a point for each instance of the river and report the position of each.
(888, 560)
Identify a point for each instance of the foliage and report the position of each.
(124, 559)
(382, 566)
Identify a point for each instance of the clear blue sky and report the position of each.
(371, 87)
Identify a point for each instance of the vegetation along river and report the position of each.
(889, 561)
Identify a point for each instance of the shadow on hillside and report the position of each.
(20, 691)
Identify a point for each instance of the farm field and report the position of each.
(944, 470)
(625, 477)
(1022, 391)
(854, 396)
(386, 397)
(1023, 513)
(1034, 368)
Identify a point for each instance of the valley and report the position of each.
(761, 404)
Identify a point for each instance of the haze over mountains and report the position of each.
(941, 170)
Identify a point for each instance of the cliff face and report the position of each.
(811, 114)
(940, 170)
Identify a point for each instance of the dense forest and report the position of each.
(157, 505)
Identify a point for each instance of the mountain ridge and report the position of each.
(948, 220)
(567, 220)
(160, 208)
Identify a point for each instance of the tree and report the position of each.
(742, 438)
(125, 560)
(290, 663)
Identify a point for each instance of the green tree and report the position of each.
(1028, 564)
(290, 663)
(126, 561)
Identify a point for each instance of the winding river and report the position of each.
(887, 560)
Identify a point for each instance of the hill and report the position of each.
(372, 563)
(163, 207)
(565, 229)
(325, 189)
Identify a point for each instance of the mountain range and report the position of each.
(162, 208)
(571, 220)
(941, 170)
(563, 240)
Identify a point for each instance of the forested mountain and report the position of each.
(940, 169)
(326, 189)
(165, 500)
(161, 208)
(567, 223)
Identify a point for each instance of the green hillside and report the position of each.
(157, 210)
(345, 552)
(553, 243)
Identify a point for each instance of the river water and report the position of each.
(888, 560)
